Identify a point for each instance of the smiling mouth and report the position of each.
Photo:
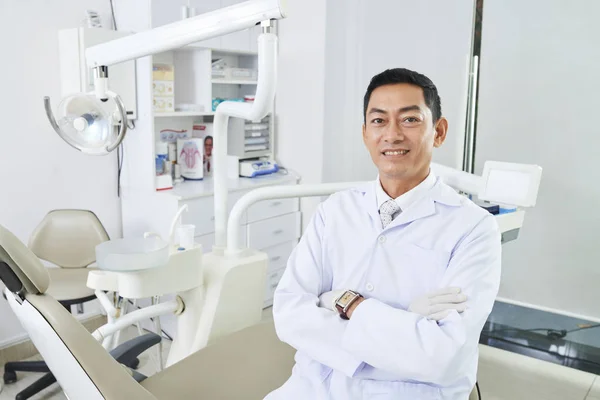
(395, 153)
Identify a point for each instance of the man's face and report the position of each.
(399, 131)
(208, 145)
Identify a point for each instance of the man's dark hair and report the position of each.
(403, 75)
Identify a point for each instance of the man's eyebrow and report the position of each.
(409, 108)
(414, 107)
(377, 111)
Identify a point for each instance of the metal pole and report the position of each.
(469, 155)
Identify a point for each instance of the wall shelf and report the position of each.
(184, 114)
(234, 82)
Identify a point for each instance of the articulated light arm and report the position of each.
(178, 34)
(87, 131)
(261, 106)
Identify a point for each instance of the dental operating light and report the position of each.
(96, 122)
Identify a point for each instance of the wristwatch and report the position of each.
(345, 301)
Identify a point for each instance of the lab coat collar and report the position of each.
(440, 193)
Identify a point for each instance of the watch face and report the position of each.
(346, 297)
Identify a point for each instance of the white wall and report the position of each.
(38, 171)
(538, 104)
(300, 93)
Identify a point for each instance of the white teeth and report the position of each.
(395, 153)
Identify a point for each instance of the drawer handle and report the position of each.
(276, 258)
(275, 203)
(278, 232)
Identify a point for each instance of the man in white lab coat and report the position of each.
(388, 290)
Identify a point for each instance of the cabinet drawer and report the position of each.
(271, 208)
(273, 279)
(201, 212)
(278, 255)
(274, 231)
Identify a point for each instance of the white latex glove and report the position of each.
(327, 299)
(439, 304)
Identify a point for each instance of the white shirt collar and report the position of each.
(408, 198)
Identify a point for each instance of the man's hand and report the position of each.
(436, 305)
(439, 304)
(327, 299)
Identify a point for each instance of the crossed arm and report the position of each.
(378, 334)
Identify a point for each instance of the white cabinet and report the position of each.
(273, 231)
(279, 254)
(273, 278)
(271, 208)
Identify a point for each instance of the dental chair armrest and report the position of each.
(127, 352)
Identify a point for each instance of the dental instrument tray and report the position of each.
(132, 254)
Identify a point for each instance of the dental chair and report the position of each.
(244, 365)
(67, 239)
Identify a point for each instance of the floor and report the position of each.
(148, 366)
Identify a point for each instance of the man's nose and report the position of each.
(393, 134)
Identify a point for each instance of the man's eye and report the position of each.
(377, 121)
(411, 119)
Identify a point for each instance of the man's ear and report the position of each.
(441, 129)
(364, 133)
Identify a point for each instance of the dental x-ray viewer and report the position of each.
(387, 292)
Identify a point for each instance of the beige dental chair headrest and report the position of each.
(28, 268)
(68, 238)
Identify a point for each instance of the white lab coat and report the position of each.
(384, 351)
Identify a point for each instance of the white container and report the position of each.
(190, 158)
(185, 233)
(132, 254)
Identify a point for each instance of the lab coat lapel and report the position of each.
(421, 209)
(425, 207)
(370, 202)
